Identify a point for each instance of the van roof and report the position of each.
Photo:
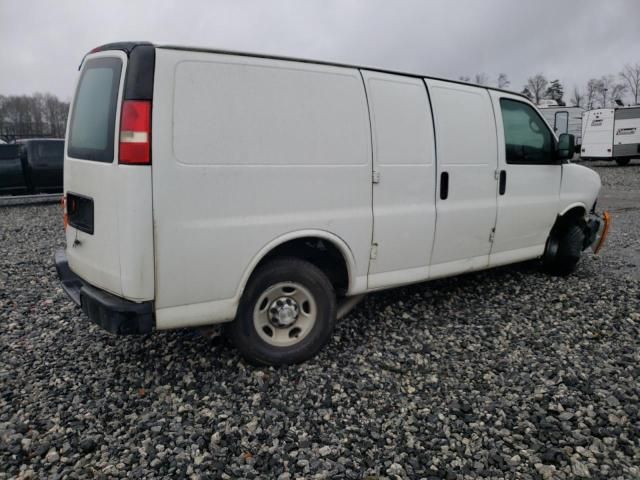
(128, 47)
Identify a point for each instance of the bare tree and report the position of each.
(576, 97)
(2, 113)
(617, 92)
(481, 79)
(631, 75)
(537, 86)
(593, 86)
(527, 93)
(503, 81)
(37, 115)
(464, 78)
(604, 87)
(56, 113)
(608, 90)
(35, 105)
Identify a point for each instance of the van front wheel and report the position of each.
(286, 314)
(623, 161)
(563, 250)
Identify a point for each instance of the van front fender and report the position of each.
(580, 187)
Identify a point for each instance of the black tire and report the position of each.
(563, 251)
(243, 333)
(623, 161)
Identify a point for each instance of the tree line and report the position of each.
(603, 92)
(37, 115)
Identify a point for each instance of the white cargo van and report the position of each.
(611, 134)
(204, 187)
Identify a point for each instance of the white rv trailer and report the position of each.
(207, 186)
(565, 120)
(611, 134)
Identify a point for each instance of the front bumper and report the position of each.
(114, 314)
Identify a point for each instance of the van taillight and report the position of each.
(135, 132)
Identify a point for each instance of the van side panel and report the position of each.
(404, 199)
(247, 150)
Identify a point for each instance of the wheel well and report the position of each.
(574, 215)
(320, 252)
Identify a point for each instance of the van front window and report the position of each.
(528, 140)
(94, 110)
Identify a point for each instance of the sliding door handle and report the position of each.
(503, 182)
(444, 185)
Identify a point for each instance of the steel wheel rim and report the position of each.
(284, 314)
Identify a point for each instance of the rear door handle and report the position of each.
(503, 182)
(444, 185)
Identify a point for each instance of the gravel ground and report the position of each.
(502, 374)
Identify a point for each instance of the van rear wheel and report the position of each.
(286, 314)
(623, 161)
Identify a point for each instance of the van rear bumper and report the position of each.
(114, 314)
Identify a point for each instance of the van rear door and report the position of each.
(108, 204)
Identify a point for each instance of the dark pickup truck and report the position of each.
(42, 161)
(12, 177)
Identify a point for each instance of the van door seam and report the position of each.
(436, 173)
(498, 167)
(373, 217)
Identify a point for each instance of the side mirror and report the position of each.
(566, 146)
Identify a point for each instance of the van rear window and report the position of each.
(93, 116)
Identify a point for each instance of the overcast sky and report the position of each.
(42, 42)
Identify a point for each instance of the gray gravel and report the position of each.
(621, 195)
(502, 374)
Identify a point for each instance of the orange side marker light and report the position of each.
(606, 218)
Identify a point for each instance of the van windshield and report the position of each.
(94, 110)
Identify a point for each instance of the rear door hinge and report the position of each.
(492, 235)
(376, 176)
(374, 251)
